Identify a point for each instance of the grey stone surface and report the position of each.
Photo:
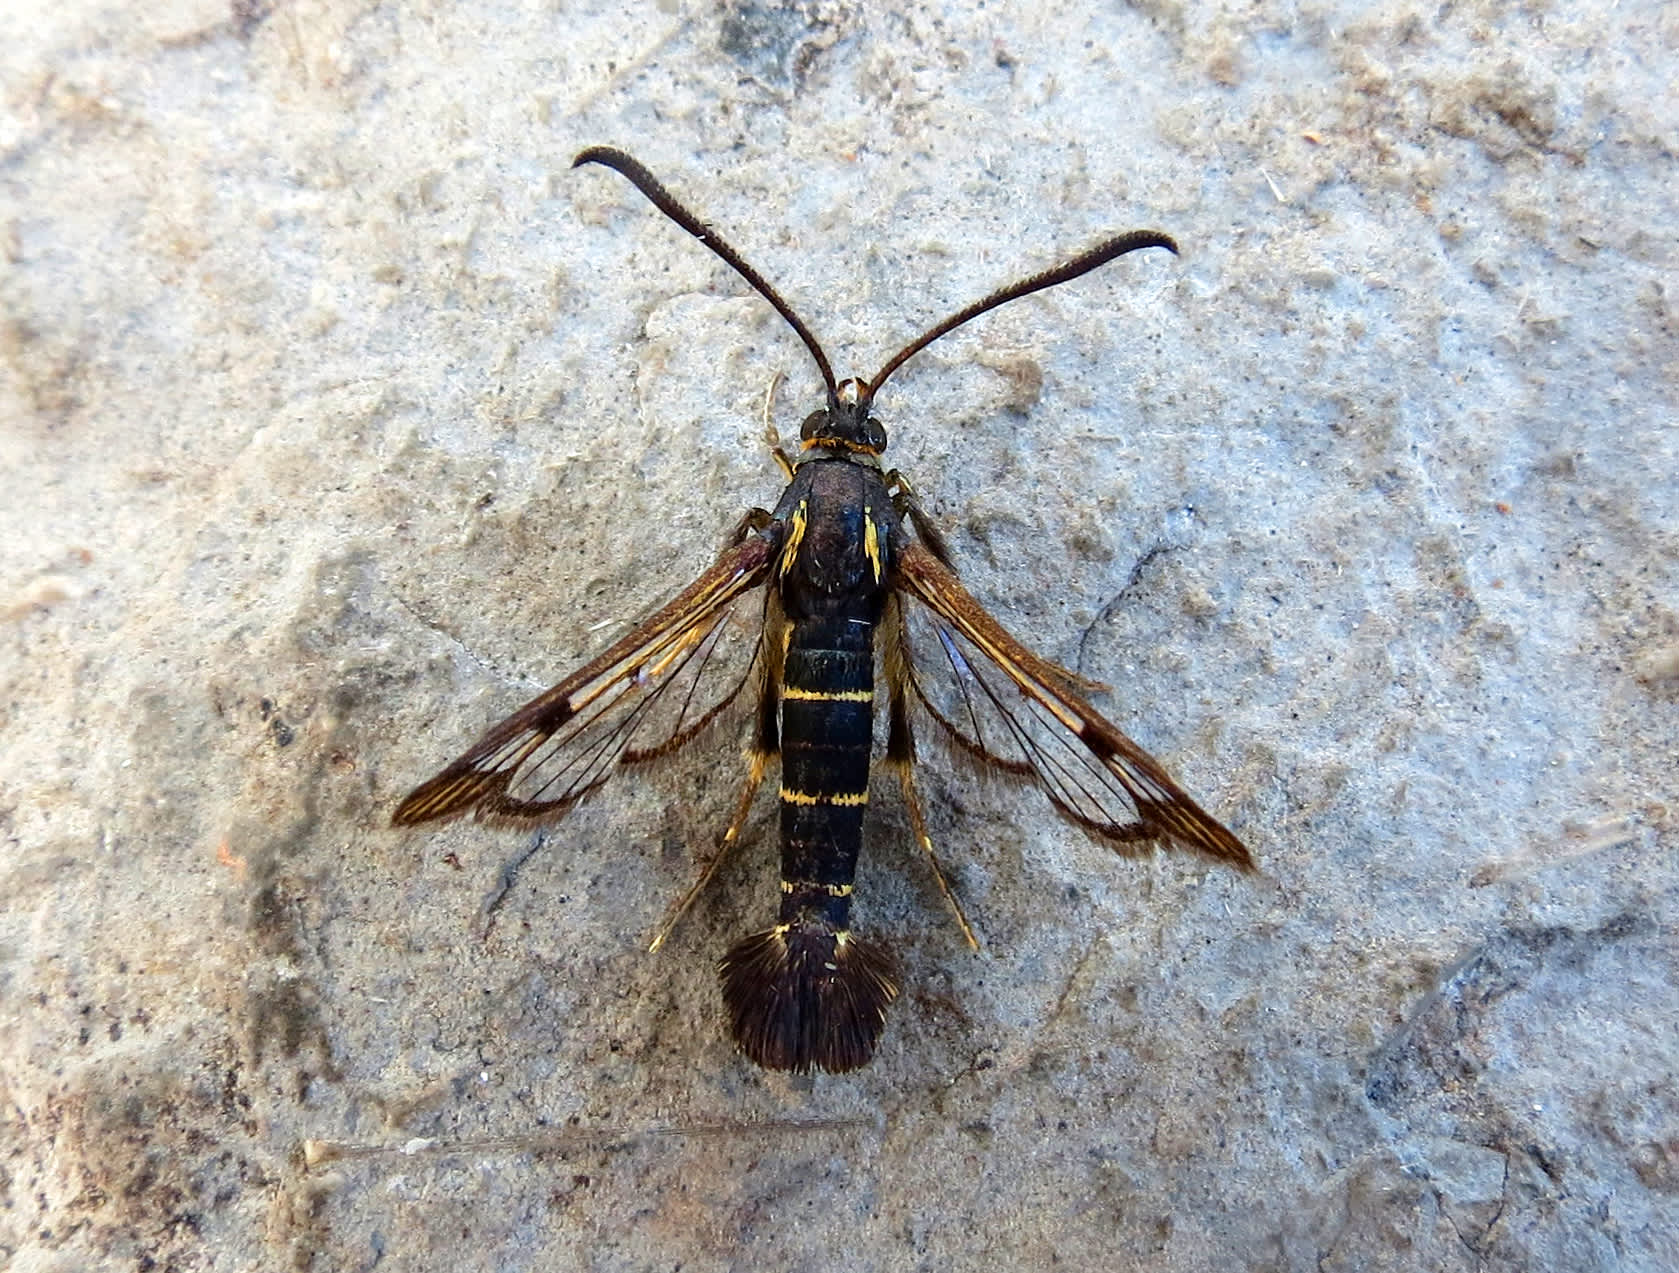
(337, 415)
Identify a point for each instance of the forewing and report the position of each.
(1003, 705)
(650, 693)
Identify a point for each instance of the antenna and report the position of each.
(1083, 263)
(666, 203)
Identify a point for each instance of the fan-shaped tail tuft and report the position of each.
(805, 999)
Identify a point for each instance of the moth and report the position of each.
(845, 577)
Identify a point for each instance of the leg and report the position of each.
(783, 461)
(766, 744)
(918, 824)
(900, 752)
(751, 522)
(755, 775)
(908, 506)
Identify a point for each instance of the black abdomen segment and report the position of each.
(827, 729)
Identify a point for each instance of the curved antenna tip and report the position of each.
(608, 155)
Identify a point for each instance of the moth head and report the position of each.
(845, 423)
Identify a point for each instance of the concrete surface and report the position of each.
(339, 415)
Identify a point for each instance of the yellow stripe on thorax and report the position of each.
(871, 544)
(790, 550)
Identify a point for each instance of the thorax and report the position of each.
(835, 560)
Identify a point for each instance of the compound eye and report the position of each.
(815, 426)
(874, 434)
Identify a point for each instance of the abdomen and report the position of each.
(808, 994)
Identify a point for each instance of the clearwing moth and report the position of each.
(788, 627)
